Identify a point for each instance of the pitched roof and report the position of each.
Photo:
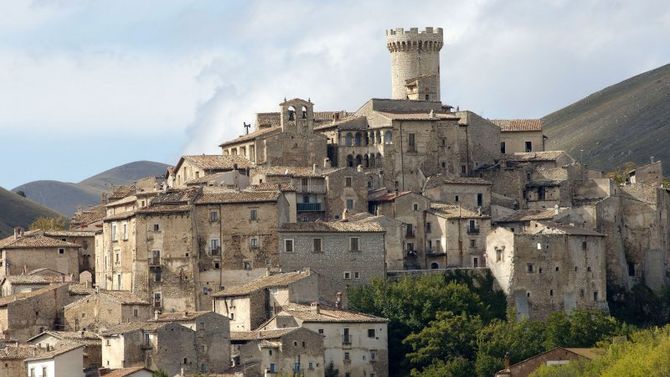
(252, 135)
(418, 116)
(4, 301)
(68, 233)
(35, 279)
(557, 228)
(124, 297)
(528, 215)
(534, 156)
(277, 280)
(307, 313)
(219, 195)
(440, 179)
(518, 125)
(127, 327)
(293, 171)
(454, 211)
(180, 316)
(34, 240)
(124, 372)
(382, 195)
(79, 337)
(57, 351)
(88, 216)
(217, 162)
(331, 227)
(261, 334)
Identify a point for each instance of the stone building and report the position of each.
(234, 169)
(27, 314)
(32, 280)
(356, 343)
(66, 360)
(13, 356)
(342, 253)
(550, 267)
(287, 351)
(253, 303)
(29, 251)
(176, 250)
(286, 140)
(212, 333)
(168, 346)
(455, 237)
(556, 356)
(520, 135)
(394, 239)
(86, 242)
(92, 352)
(321, 193)
(105, 308)
(468, 192)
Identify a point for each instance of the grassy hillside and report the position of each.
(628, 121)
(16, 210)
(124, 174)
(66, 197)
(62, 197)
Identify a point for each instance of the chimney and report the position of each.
(315, 307)
(338, 300)
(156, 314)
(18, 232)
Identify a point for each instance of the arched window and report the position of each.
(358, 139)
(380, 161)
(350, 161)
(359, 160)
(434, 266)
(366, 161)
(388, 137)
(379, 136)
(348, 139)
(291, 113)
(372, 160)
(371, 137)
(304, 112)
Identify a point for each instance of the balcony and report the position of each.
(215, 251)
(472, 230)
(410, 233)
(309, 207)
(435, 252)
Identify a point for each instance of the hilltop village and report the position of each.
(239, 263)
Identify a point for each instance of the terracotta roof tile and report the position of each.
(528, 215)
(252, 135)
(261, 334)
(218, 195)
(418, 116)
(218, 162)
(19, 351)
(535, 156)
(518, 125)
(180, 316)
(59, 349)
(332, 227)
(124, 372)
(4, 301)
(439, 180)
(277, 280)
(127, 327)
(328, 314)
(34, 240)
(454, 211)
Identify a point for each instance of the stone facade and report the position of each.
(25, 315)
(549, 268)
(105, 308)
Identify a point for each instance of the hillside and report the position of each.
(628, 121)
(66, 197)
(19, 211)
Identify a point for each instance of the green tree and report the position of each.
(48, 223)
(581, 328)
(456, 367)
(331, 371)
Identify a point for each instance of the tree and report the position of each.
(448, 337)
(410, 304)
(48, 223)
(159, 373)
(456, 367)
(581, 328)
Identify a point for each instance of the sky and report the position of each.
(88, 85)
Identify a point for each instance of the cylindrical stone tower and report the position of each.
(415, 63)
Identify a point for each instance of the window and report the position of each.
(373, 355)
(61, 251)
(428, 227)
(253, 242)
(353, 243)
(116, 257)
(456, 198)
(473, 243)
(321, 331)
(595, 296)
(32, 371)
(214, 246)
(529, 268)
(136, 312)
(499, 255)
(529, 146)
(348, 181)
(480, 200)
(253, 214)
(317, 245)
(347, 356)
(186, 360)
(213, 216)
(551, 292)
(557, 268)
(288, 246)
(157, 228)
(347, 275)
(304, 182)
(357, 275)
(502, 147)
(631, 269)
(217, 265)
(434, 266)
(411, 142)
(44, 371)
(157, 276)
(371, 333)
(588, 268)
(584, 245)
(415, 206)
(475, 262)
(539, 246)
(350, 204)
(125, 231)
(113, 232)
